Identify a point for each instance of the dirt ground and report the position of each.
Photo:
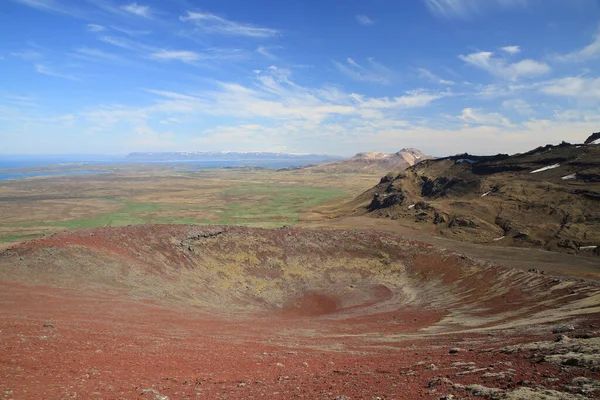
(176, 312)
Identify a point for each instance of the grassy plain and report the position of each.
(32, 207)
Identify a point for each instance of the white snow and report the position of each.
(417, 157)
(597, 141)
(500, 238)
(566, 177)
(588, 247)
(545, 168)
(411, 206)
(462, 160)
(486, 193)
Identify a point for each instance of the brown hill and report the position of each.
(547, 198)
(373, 162)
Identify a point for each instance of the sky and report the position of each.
(312, 76)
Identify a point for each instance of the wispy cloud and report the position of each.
(511, 49)
(429, 76)
(98, 55)
(499, 67)
(267, 51)
(575, 87)
(45, 70)
(191, 57)
(53, 6)
(519, 106)
(27, 55)
(478, 117)
(139, 10)
(95, 28)
(463, 9)
(364, 20)
(589, 52)
(211, 23)
(373, 72)
(185, 56)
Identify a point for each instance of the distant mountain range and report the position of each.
(373, 162)
(230, 156)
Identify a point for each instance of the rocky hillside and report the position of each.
(547, 198)
(376, 163)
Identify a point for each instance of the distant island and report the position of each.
(228, 155)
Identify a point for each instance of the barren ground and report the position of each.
(181, 311)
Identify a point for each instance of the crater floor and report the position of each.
(229, 312)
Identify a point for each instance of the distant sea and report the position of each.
(14, 167)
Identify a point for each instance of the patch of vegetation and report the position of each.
(17, 238)
(272, 206)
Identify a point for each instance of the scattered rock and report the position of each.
(49, 326)
(563, 329)
(454, 350)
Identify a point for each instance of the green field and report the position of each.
(176, 200)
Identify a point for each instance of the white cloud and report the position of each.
(511, 49)
(499, 67)
(364, 20)
(374, 72)
(95, 28)
(176, 55)
(96, 54)
(466, 8)
(475, 116)
(27, 55)
(45, 70)
(211, 23)
(576, 87)
(589, 52)
(52, 6)
(429, 76)
(267, 51)
(520, 106)
(135, 8)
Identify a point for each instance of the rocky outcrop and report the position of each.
(547, 198)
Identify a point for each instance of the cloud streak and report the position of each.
(499, 67)
(45, 70)
(374, 72)
(213, 24)
(364, 20)
(136, 9)
(465, 9)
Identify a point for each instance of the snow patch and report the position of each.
(462, 160)
(411, 206)
(597, 141)
(545, 168)
(486, 193)
(567, 177)
(500, 238)
(588, 247)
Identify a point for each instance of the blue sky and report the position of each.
(326, 76)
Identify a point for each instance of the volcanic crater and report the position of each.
(334, 291)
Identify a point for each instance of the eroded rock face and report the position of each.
(520, 200)
(436, 187)
(592, 138)
(386, 200)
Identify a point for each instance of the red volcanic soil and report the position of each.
(175, 312)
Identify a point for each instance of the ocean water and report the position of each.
(15, 167)
(18, 175)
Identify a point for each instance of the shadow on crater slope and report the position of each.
(377, 282)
